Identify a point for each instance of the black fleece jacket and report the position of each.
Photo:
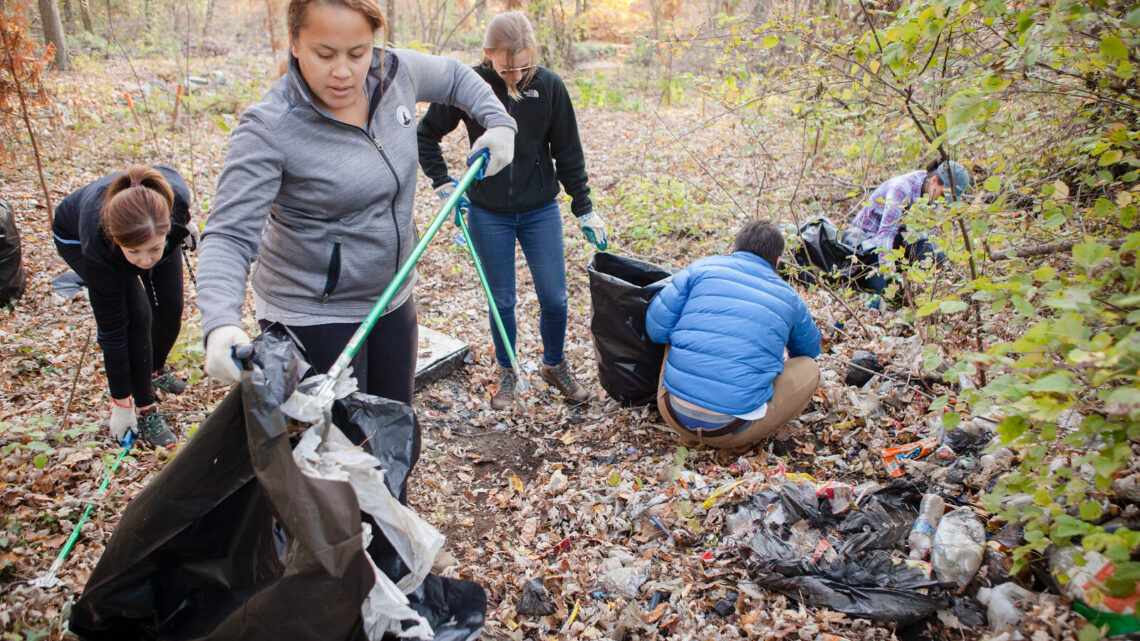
(547, 138)
(78, 220)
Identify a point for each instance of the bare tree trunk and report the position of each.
(271, 26)
(67, 17)
(209, 17)
(85, 15)
(391, 18)
(53, 33)
(28, 122)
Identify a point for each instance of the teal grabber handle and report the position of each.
(345, 359)
(48, 580)
(460, 213)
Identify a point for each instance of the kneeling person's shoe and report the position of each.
(153, 429)
(563, 380)
(505, 395)
(164, 380)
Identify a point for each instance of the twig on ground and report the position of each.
(74, 381)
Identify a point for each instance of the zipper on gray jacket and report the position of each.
(395, 195)
(333, 273)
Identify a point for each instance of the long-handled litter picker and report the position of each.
(49, 580)
(461, 220)
(314, 405)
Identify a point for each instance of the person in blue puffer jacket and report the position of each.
(727, 321)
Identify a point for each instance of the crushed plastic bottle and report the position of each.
(1002, 610)
(1087, 582)
(959, 543)
(921, 538)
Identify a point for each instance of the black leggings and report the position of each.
(154, 318)
(385, 366)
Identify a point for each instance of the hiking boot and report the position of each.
(563, 380)
(164, 380)
(505, 395)
(153, 430)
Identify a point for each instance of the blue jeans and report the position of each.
(539, 233)
(914, 252)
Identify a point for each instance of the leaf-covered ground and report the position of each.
(583, 498)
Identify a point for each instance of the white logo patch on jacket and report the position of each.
(530, 93)
(404, 116)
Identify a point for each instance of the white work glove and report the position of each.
(444, 191)
(122, 418)
(190, 243)
(594, 229)
(220, 362)
(500, 143)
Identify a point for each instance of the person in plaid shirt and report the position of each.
(881, 219)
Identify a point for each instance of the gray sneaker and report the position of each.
(153, 430)
(165, 380)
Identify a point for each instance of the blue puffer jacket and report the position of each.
(728, 319)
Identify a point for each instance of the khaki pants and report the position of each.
(792, 390)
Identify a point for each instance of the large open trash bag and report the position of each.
(259, 529)
(620, 291)
(13, 279)
(822, 251)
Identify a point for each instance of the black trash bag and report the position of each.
(883, 522)
(13, 278)
(863, 580)
(824, 252)
(534, 600)
(232, 541)
(862, 367)
(966, 443)
(620, 291)
(799, 501)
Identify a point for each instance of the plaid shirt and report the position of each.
(881, 217)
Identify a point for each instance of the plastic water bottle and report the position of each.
(921, 538)
(959, 543)
(1001, 609)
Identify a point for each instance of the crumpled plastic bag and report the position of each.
(863, 580)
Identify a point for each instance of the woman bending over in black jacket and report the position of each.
(123, 235)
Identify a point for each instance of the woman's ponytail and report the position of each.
(137, 206)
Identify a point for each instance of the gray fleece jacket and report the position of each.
(326, 207)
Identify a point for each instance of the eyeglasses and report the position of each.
(503, 72)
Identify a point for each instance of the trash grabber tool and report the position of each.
(324, 393)
(49, 580)
(461, 220)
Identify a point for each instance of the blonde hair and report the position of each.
(136, 206)
(511, 32)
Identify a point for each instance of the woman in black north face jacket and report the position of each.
(123, 235)
(519, 204)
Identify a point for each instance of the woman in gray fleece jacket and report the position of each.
(318, 186)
